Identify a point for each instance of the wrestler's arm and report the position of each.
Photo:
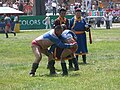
(61, 44)
(52, 48)
(73, 35)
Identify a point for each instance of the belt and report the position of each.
(79, 32)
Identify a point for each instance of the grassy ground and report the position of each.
(101, 73)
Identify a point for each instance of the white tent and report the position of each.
(9, 10)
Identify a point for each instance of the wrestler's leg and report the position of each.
(75, 62)
(67, 52)
(48, 54)
(38, 57)
(64, 54)
(6, 31)
(51, 61)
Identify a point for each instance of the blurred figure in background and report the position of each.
(47, 22)
(54, 5)
(8, 25)
(110, 19)
(107, 20)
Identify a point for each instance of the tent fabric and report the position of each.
(9, 10)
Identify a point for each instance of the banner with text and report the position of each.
(36, 22)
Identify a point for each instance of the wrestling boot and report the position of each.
(70, 64)
(51, 67)
(64, 69)
(33, 70)
(14, 33)
(84, 59)
(6, 35)
(75, 62)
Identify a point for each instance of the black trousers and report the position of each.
(54, 10)
(107, 24)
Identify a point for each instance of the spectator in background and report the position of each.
(0, 4)
(2, 24)
(54, 6)
(107, 20)
(100, 6)
(93, 6)
(96, 4)
(102, 21)
(16, 19)
(110, 4)
(8, 24)
(59, 21)
(47, 22)
(15, 5)
(20, 6)
(88, 5)
(78, 25)
(13, 23)
(110, 19)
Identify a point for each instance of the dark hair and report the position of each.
(62, 9)
(58, 27)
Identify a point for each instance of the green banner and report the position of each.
(36, 22)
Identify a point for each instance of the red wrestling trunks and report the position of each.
(35, 43)
(8, 24)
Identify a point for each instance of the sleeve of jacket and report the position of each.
(60, 44)
(73, 34)
(71, 23)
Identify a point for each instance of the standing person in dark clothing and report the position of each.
(54, 5)
(20, 7)
(107, 21)
(63, 20)
(78, 25)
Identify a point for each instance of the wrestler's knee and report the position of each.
(38, 59)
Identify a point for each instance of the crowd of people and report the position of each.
(85, 5)
(26, 7)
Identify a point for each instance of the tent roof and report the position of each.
(9, 10)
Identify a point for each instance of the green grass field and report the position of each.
(101, 73)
